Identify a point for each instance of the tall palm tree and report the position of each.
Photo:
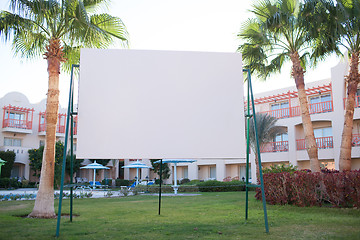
(275, 35)
(56, 29)
(336, 26)
(266, 130)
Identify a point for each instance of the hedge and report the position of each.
(217, 186)
(304, 188)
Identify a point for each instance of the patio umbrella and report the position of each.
(94, 166)
(175, 161)
(137, 165)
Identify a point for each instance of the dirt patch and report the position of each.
(64, 215)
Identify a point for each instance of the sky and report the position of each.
(181, 25)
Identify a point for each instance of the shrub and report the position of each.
(106, 181)
(4, 182)
(303, 188)
(280, 168)
(121, 182)
(192, 182)
(217, 186)
(184, 180)
(24, 183)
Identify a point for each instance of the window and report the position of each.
(14, 142)
(213, 172)
(185, 172)
(243, 172)
(280, 110)
(324, 137)
(280, 142)
(42, 143)
(321, 103)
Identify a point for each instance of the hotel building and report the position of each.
(23, 128)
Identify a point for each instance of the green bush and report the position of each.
(184, 180)
(25, 183)
(192, 182)
(217, 186)
(4, 182)
(121, 182)
(9, 157)
(280, 168)
(106, 181)
(9, 183)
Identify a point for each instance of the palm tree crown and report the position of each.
(32, 24)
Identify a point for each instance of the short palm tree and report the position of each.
(266, 130)
(273, 37)
(336, 25)
(56, 29)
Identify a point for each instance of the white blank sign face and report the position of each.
(160, 104)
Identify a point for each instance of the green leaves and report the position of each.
(31, 25)
(272, 35)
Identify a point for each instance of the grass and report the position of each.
(208, 216)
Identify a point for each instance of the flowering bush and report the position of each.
(304, 188)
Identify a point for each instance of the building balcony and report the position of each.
(314, 108)
(17, 119)
(280, 146)
(60, 128)
(321, 142)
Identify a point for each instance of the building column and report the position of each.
(220, 170)
(193, 172)
(338, 94)
(292, 145)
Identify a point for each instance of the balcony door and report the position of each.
(324, 137)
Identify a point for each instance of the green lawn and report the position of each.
(208, 216)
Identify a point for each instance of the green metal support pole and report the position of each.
(71, 91)
(258, 154)
(71, 157)
(248, 116)
(160, 185)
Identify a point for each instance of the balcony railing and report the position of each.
(15, 123)
(322, 143)
(280, 146)
(314, 108)
(356, 140)
(59, 128)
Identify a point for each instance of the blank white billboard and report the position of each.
(160, 104)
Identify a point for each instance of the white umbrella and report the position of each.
(137, 165)
(175, 161)
(94, 166)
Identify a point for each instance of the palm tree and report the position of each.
(266, 130)
(336, 26)
(56, 29)
(273, 37)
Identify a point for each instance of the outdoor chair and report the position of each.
(132, 186)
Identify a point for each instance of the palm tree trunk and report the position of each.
(346, 140)
(311, 147)
(44, 203)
